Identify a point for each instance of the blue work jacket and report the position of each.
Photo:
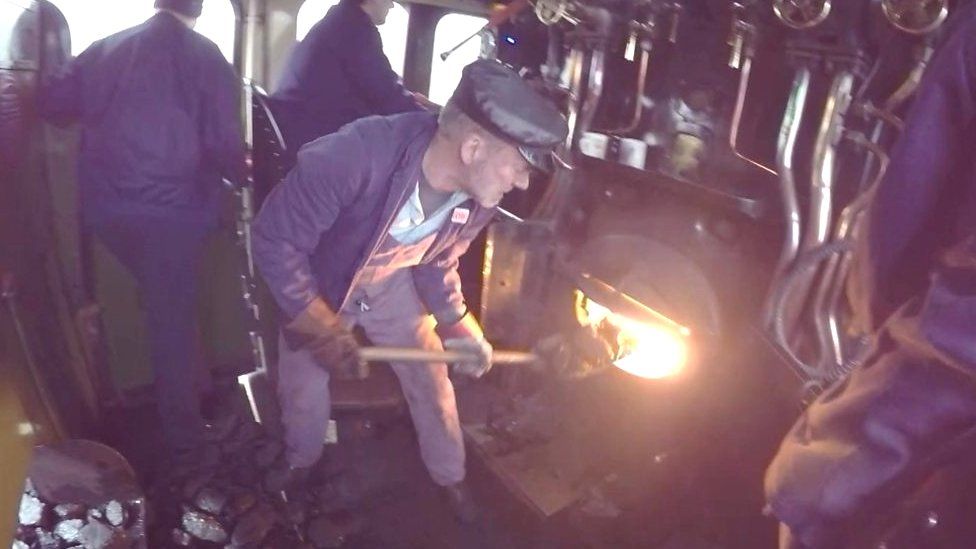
(159, 111)
(336, 74)
(320, 226)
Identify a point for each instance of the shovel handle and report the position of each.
(408, 354)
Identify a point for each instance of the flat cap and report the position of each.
(499, 100)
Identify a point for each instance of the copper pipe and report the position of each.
(740, 102)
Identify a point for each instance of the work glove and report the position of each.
(466, 336)
(320, 331)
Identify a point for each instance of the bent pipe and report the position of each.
(828, 296)
(822, 183)
(745, 75)
(788, 133)
(804, 265)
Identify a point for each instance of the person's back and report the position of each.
(158, 106)
(159, 110)
(336, 74)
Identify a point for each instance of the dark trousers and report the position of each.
(164, 256)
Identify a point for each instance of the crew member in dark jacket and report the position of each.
(159, 109)
(338, 73)
(367, 230)
(869, 441)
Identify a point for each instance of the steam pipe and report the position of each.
(832, 282)
(822, 185)
(805, 264)
(744, 77)
(827, 303)
(788, 133)
(825, 158)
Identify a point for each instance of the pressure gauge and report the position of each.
(801, 14)
(916, 16)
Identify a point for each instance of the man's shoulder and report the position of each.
(381, 135)
(394, 127)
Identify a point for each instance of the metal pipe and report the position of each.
(806, 264)
(745, 76)
(448, 53)
(835, 273)
(911, 83)
(786, 148)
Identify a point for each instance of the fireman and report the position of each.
(871, 439)
(339, 73)
(367, 230)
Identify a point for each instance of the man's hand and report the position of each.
(321, 332)
(465, 335)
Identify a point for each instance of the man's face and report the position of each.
(495, 169)
(378, 10)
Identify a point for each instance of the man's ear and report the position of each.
(472, 148)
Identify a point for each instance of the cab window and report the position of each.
(393, 32)
(450, 31)
(91, 20)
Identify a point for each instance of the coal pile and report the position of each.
(232, 494)
(49, 525)
(229, 494)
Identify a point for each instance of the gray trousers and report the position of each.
(395, 318)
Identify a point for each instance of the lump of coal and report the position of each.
(98, 535)
(46, 540)
(69, 530)
(203, 526)
(31, 510)
(254, 526)
(70, 510)
(115, 513)
(211, 500)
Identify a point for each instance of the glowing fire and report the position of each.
(644, 350)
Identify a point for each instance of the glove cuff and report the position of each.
(466, 327)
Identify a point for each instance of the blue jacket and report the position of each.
(317, 229)
(868, 441)
(160, 121)
(336, 74)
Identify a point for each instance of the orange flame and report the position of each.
(644, 350)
